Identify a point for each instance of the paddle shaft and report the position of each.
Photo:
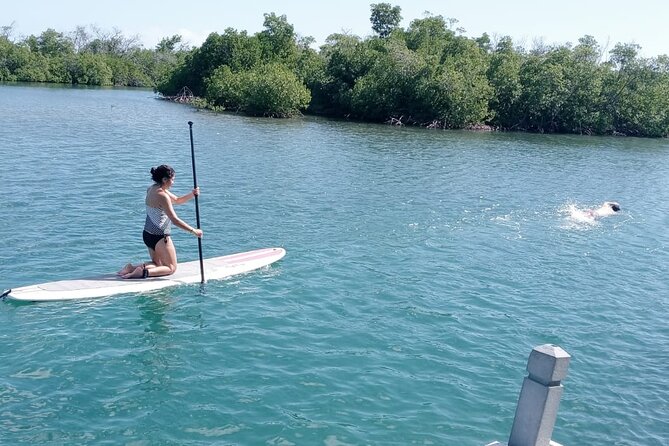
(197, 205)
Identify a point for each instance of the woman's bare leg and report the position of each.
(165, 259)
(164, 262)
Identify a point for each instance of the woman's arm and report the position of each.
(165, 201)
(184, 198)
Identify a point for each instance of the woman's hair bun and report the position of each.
(158, 174)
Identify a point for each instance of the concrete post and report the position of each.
(539, 397)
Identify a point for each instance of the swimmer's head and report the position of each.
(613, 205)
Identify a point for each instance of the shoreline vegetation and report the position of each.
(429, 75)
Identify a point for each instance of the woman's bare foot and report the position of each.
(126, 269)
(137, 273)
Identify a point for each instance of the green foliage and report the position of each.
(84, 58)
(224, 88)
(637, 93)
(234, 49)
(387, 90)
(429, 36)
(34, 69)
(460, 91)
(345, 59)
(582, 109)
(168, 44)
(504, 77)
(545, 88)
(310, 68)
(51, 43)
(428, 74)
(273, 90)
(437, 85)
(278, 40)
(484, 42)
(12, 59)
(569, 91)
(60, 69)
(385, 18)
(266, 90)
(91, 69)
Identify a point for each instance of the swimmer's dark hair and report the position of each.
(158, 174)
(615, 207)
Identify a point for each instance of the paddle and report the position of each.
(197, 206)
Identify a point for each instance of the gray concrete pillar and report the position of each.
(540, 397)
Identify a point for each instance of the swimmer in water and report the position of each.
(607, 208)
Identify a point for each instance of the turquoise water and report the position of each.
(422, 268)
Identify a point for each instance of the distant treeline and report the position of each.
(88, 57)
(428, 74)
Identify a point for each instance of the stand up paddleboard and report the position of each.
(108, 285)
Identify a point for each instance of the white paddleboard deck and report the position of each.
(188, 272)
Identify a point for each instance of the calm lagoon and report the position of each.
(422, 268)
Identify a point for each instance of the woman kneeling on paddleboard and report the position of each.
(159, 217)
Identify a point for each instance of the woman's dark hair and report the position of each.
(615, 207)
(158, 174)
